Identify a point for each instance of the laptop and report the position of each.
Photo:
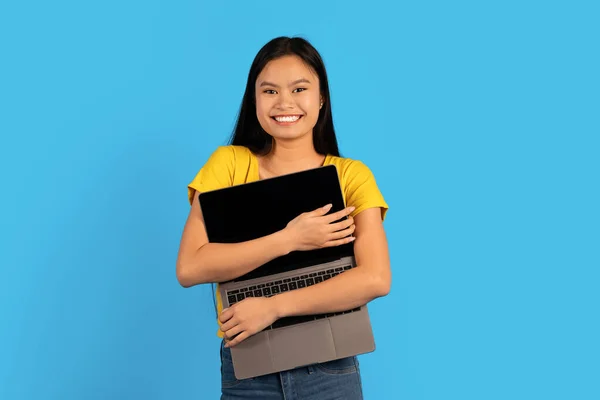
(248, 211)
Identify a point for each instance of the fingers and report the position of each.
(320, 211)
(339, 214)
(338, 226)
(229, 334)
(229, 324)
(225, 315)
(342, 234)
(238, 339)
(339, 242)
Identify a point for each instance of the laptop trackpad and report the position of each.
(302, 344)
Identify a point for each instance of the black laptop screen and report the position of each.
(245, 212)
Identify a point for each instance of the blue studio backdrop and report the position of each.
(478, 119)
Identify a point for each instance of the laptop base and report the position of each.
(303, 344)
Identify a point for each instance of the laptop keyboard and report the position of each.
(285, 285)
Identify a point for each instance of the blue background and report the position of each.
(479, 119)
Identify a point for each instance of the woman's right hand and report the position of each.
(314, 230)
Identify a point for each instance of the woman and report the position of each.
(284, 126)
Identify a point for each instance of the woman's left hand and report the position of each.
(246, 318)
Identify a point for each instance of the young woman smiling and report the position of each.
(285, 125)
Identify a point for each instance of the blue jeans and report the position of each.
(333, 380)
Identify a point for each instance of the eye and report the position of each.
(299, 90)
(269, 91)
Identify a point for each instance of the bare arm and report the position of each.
(370, 279)
(200, 261)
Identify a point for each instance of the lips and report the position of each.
(287, 118)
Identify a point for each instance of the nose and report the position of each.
(285, 100)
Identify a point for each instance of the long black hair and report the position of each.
(248, 131)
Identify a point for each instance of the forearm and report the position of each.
(351, 289)
(219, 262)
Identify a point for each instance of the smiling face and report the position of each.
(288, 98)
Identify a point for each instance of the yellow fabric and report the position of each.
(235, 165)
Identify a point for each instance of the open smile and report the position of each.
(287, 119)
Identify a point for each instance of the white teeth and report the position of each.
(293, 118)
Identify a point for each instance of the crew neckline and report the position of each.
(256, 170)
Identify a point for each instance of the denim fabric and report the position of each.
(333, 380)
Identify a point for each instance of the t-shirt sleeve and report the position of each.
(362, 191)
(216, 173)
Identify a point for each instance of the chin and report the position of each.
(289, 135)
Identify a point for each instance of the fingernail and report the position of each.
(352, 208)
(328, 206)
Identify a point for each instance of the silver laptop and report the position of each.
(252, 210)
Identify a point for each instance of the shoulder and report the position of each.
(218, 170)
(229, 153)
(350, 169)
(359, 185)
(231, 158)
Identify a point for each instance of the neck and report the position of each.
(292, 156)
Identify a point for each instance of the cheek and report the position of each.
(311, 103)
(262, 114)
(262, 109)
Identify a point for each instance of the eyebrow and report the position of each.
(301, 80)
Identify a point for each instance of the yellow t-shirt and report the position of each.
(235, 165)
